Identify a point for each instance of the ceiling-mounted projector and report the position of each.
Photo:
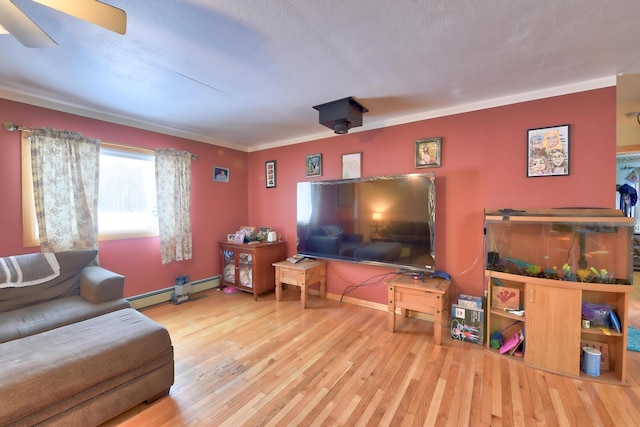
(341, 115)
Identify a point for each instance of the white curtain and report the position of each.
(65, 185)
(173, 187)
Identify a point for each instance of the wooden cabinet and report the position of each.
(554, 336)
(554, 263)
(250, 268)
(552, 323)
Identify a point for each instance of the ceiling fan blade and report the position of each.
(96, 12)
(21, 27)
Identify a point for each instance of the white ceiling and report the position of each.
(245, 74)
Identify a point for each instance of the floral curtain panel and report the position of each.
(65, 185)
(173, 187)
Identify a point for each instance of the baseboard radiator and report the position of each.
(164, 295)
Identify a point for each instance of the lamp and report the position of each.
(341, 115)
(375, 226)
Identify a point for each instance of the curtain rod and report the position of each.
(10, 127)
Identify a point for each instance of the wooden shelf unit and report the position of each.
(552, 341)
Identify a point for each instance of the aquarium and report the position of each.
(578, 245)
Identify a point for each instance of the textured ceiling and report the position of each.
(246, 74)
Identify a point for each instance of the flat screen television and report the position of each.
(384, 220)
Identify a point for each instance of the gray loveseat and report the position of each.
(74, 352)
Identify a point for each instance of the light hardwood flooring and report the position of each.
(240, 362)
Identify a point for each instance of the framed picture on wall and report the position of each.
(220, 174)
(314, 165)
(427, 152)
(270, 173)
(548, 151)
(352, 165)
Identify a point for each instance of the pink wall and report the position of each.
(217, 208)
(483, 166)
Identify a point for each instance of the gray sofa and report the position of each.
(74, 352)
(332, 240)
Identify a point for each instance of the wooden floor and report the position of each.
(240, 362)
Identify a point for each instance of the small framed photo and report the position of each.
(548, 151)
(314, 165)
(220, 174)
(238, 237)
(231, 237)
(270, 173)
(352, 165)
(428, 152)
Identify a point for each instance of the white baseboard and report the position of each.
(164, 295)
(354, 301)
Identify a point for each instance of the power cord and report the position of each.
(379, 279)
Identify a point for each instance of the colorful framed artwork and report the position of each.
(314, 165)
(270, 173)
(220, 174)
(352, 165)
(548, 151)
(428, 152)
(247, 229)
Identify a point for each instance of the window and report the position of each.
(304, 203)
(127, 195)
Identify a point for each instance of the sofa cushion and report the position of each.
(66, 284)
(90, 353)
(49, 315)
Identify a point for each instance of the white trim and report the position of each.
(26, 98)
(458, 109)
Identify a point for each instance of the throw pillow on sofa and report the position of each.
(66, 284)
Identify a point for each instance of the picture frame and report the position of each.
(270, 173)
(263, 232)
(548, 151)
(428, 152)
(352, 165)
(239, 237)
(220, 174)
(231, 237)
(314, 165)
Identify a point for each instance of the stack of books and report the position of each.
(467, 319)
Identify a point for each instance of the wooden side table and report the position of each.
(302, 274)
(430, 297)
